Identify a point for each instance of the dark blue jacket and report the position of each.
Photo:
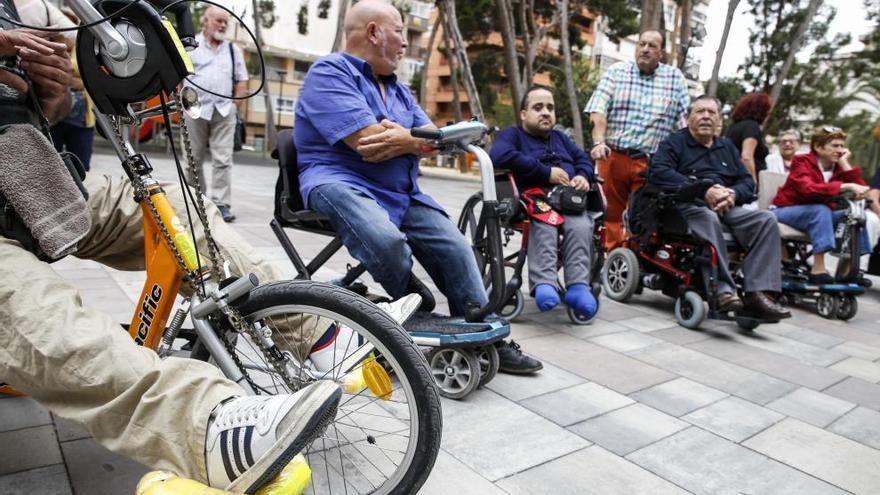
(680, 156)
(530, 158)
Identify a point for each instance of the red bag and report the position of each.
(538, 208)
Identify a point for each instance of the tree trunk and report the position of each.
(450, 58)
(719, 54)
(340, 25)
(270, 140)
(796, 42)
(527, 19)
(684, 32)
(469, 84)
(423, 87)
(511, 63)
(652, 15)
(569, 76)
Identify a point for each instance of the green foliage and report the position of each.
(302, 19)
(503, 114)
(324, 9)
(586, 77)
(267, 13)
(622, 18)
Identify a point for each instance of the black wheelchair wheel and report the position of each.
(847, 307)
(690, 310)
(489, 363)
(826, 305)
(620, 274)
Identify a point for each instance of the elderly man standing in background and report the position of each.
(219, 68)
(634, 107)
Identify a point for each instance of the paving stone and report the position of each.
(859, 350)
(22, 412)
(770, 363)
(629, 428)
(810, 406)
(838, 460)
(571, 405)
(595, 329)
(734, 418)
(678, 397)
(724, 376)
(706, 464)
(843, 331)
(859, 368)
(516, 387)
(525, 329)
(615, 311)
(68, 430)
(49, 480)
(625, 341)
(648, 323)
(497, 438)
(858, 391)
(801, 334)
(861, 424)
(805, 353)
(614, 370)
(451, 476)
(681, 335)
(591, 470)
(33, 448)
(97, 471)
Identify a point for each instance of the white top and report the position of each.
(214, 71)
(775, 163)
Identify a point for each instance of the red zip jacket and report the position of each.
(805, 184)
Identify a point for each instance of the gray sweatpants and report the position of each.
(219, 133)
(577, 249)
(754, 230)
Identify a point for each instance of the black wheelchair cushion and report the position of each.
(287, 186)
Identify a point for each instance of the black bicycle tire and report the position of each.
(356, 308)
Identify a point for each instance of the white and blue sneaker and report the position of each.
(250, 439)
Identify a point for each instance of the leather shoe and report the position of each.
(760, 305)
(729, 302)
(226, 213)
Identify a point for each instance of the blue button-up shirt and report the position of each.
(530, 158)
(340, 96)
(680, 156)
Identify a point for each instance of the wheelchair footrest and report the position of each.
(431, 329)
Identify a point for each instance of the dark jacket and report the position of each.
(680, 156)
(806, 184)
(530, 158)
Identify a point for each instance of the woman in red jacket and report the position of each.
(804, 201)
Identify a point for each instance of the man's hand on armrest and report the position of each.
(383, 141)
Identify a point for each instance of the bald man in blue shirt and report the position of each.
(358, 165)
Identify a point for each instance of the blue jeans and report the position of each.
(75, 139)
(386, 250)
(818, 221)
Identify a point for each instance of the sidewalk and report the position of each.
(632, 404)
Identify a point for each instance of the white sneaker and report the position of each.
(251, 439)
(348, 346)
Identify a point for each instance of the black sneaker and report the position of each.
(513, 360)
(226, 213)
(821, 278)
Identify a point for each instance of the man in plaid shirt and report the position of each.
(634, 107)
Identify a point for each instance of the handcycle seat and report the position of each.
(289, 208)
(769, 183)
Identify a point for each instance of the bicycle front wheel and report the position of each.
(386, 434)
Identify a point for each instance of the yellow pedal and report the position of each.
(377, 378)
(8, 390)
(292, 480)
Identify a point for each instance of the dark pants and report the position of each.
(75, 139)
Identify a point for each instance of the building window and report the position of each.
(420, 9)
(300, 68)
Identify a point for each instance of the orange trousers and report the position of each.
(622, 176)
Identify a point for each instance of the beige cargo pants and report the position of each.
(80, 364)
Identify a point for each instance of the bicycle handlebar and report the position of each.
(462, 133)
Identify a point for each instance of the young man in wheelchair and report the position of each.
(358, 166)
(542, 159)
(695, 151)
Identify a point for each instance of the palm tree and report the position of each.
(713, 83)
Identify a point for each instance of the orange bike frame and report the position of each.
(164, 273)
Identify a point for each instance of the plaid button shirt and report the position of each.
(641, 110)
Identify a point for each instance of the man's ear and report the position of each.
(372, 32)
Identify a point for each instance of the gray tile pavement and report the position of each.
(632, 404)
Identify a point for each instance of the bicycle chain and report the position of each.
(234, 317)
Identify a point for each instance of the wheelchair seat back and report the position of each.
(768, 184)
(290, 210)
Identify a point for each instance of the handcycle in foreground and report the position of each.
(513, 218)
(385, 435)
(834, 300)
(661, 253)
(460, 351)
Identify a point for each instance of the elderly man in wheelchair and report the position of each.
(547, 165)
(695, 151)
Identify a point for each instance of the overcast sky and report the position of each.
(850, 16)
